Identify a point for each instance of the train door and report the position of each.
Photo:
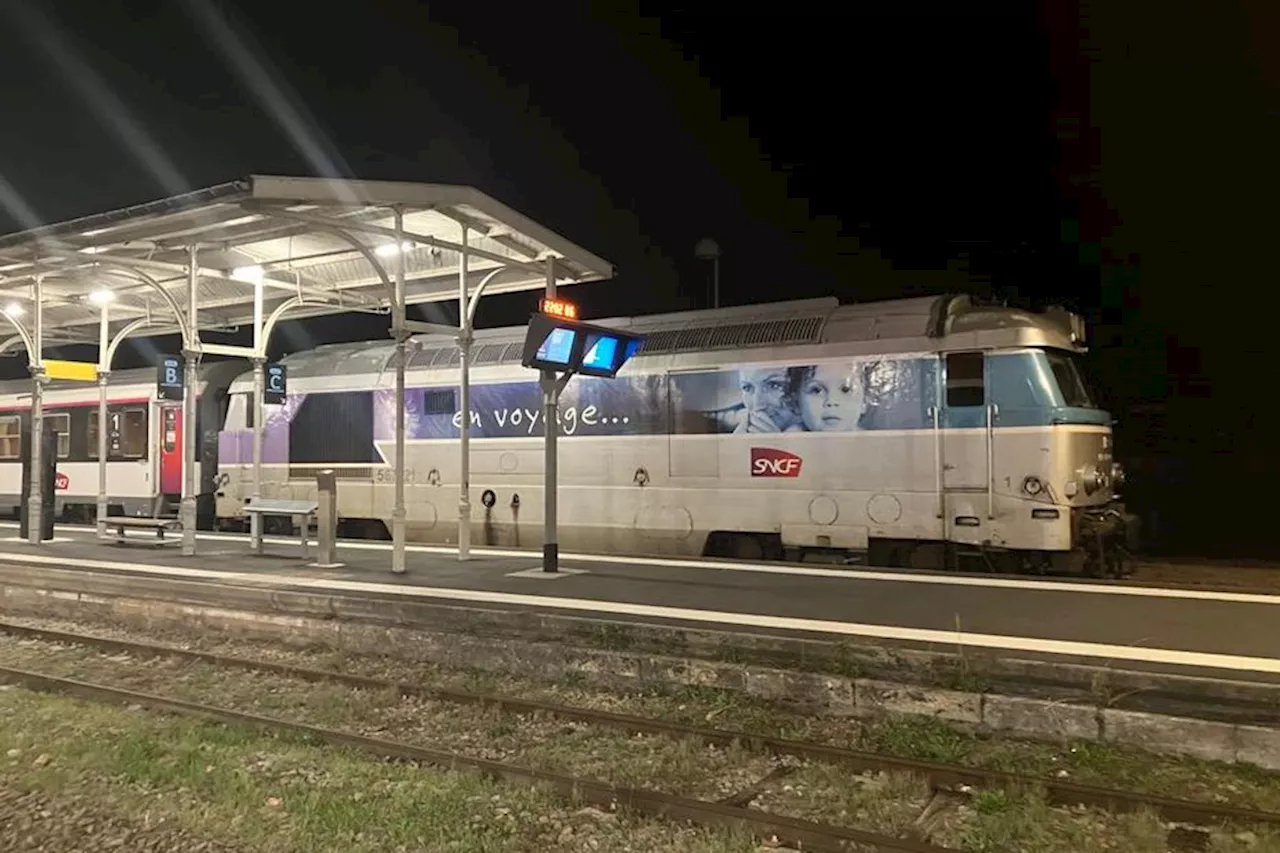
(966, 448)
(170, 437)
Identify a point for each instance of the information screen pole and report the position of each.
(550, 402)
(550, 426)
(560, 347)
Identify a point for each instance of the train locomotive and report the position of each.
(930, 433)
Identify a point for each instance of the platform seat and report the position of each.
(120, 524)
(302, 511)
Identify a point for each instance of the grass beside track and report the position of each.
(155, 778)
(989, 820)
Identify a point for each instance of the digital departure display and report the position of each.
(601, 353)
(565, 346)
(557, 347)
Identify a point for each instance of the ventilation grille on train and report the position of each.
(764, 333)
(309, 472)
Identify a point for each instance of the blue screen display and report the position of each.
(601, 354)
(558, 346)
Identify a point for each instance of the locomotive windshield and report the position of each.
(1066, 370)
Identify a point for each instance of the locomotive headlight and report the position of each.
(1092, 479)
(1032, 486)
(1117, 475)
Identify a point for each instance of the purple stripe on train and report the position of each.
(235, 446)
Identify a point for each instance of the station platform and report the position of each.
(1226, 634)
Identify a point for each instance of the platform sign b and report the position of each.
(169, 381)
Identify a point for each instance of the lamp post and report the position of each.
(709, 250)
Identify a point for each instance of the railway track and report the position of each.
(1190, 817)
(800, 834)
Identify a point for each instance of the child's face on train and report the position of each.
(830, 400)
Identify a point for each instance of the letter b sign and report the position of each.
(169, 382)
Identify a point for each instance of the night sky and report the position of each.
(1118, 157)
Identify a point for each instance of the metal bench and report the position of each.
(122, 523)
(301, 511)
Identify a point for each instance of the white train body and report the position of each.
(918, 429)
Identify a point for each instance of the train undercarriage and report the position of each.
(1106, 538)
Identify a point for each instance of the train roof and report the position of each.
(220, 373)
(950, 322)
(920, 323)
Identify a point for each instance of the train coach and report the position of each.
(920, 433)
(144, 455)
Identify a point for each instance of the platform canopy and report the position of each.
(247, 254)
(330, 246)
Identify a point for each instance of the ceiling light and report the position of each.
(389, 249)
(253, 274)
(13, 309)
(101, 297)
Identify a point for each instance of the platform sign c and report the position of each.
(276, 388)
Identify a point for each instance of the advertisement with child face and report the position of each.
(834, 396)
(830, 396)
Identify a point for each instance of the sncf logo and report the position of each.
(768, 462)
(61, 482)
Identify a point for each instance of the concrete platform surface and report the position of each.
(1226, 633)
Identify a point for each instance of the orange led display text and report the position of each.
(558, 308)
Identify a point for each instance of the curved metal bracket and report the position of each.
(365, 252)
(128, 330)
(188, 334)
(23, 335)
(8, 342)
(473, 301)
(270, 325)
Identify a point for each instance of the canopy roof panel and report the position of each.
(330, 243)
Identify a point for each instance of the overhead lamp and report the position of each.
(389, 249)
(252, 274)
(13, 309)
(101, 297)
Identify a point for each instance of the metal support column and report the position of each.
(464, 430)
(402, 337)
(104, 372)
(259, 413)
(550, 425)
(191, 354)
(715, 282)
(35, 500)
(550, 403)
(103, 377)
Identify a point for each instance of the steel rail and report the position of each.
(939, 776)
(802, 834)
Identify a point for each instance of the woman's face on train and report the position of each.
(830, 399)
(764, 392)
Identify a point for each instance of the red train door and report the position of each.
(171, 450)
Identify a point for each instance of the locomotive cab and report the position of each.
(1102, 532)
(1027, 412)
